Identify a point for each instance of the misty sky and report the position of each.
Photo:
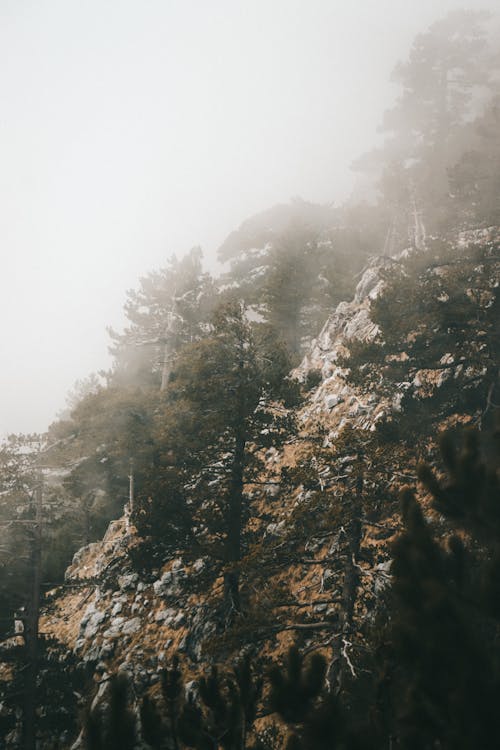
(131, 129)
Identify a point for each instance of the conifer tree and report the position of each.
(17, 483)
(442, 683)
(249, 250)
(299, 695)
(293, 264)
(108, 428)
(223, 717)
(112, 726)
(287, 290)
(215, 418)
(448, 76)
(168, 310)
(474, 179)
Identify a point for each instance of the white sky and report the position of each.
(131, 129)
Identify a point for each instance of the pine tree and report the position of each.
(287, 288)
(293, 264)
(474, 179)
(17, 483)
(223, 717)
(214, 421)
(27, 556)
(169, 309)
(444, 83)
(105, 431)
(112, 726)
(249, 250)
(314, 715)
(442, 683)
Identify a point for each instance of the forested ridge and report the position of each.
(274, 521)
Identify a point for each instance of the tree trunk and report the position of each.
(165, 371)
(349, 593)
(234, 526)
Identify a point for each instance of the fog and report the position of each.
(132, 130)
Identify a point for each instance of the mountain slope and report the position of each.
(317, 554)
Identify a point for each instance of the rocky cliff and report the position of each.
(327, 502)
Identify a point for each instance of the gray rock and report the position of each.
(272, 490)
(114, 628)
(200, 629)
(165, 615)
(179, 620)
(161, 586)
(128, 581)
(111, 632)
(131, 626)
(191, 689)
(331, 400)
(90, 623)
(107, 649)
(93, 654)
(198, 565)
(80, 643)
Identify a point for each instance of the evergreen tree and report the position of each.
(293, 264)
(18, 479)
(474, 179)
(287, 288)
(442, 684)
(216, 417)
(29, 522)
(169, 309)
(299, 695)
(222, 718)
(106, 430)
(112, 726)
(250, 248)
(445, 82)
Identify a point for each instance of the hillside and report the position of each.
(273, 523)
(330, 490)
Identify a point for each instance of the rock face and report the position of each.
(128, 618)
(335, 401)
